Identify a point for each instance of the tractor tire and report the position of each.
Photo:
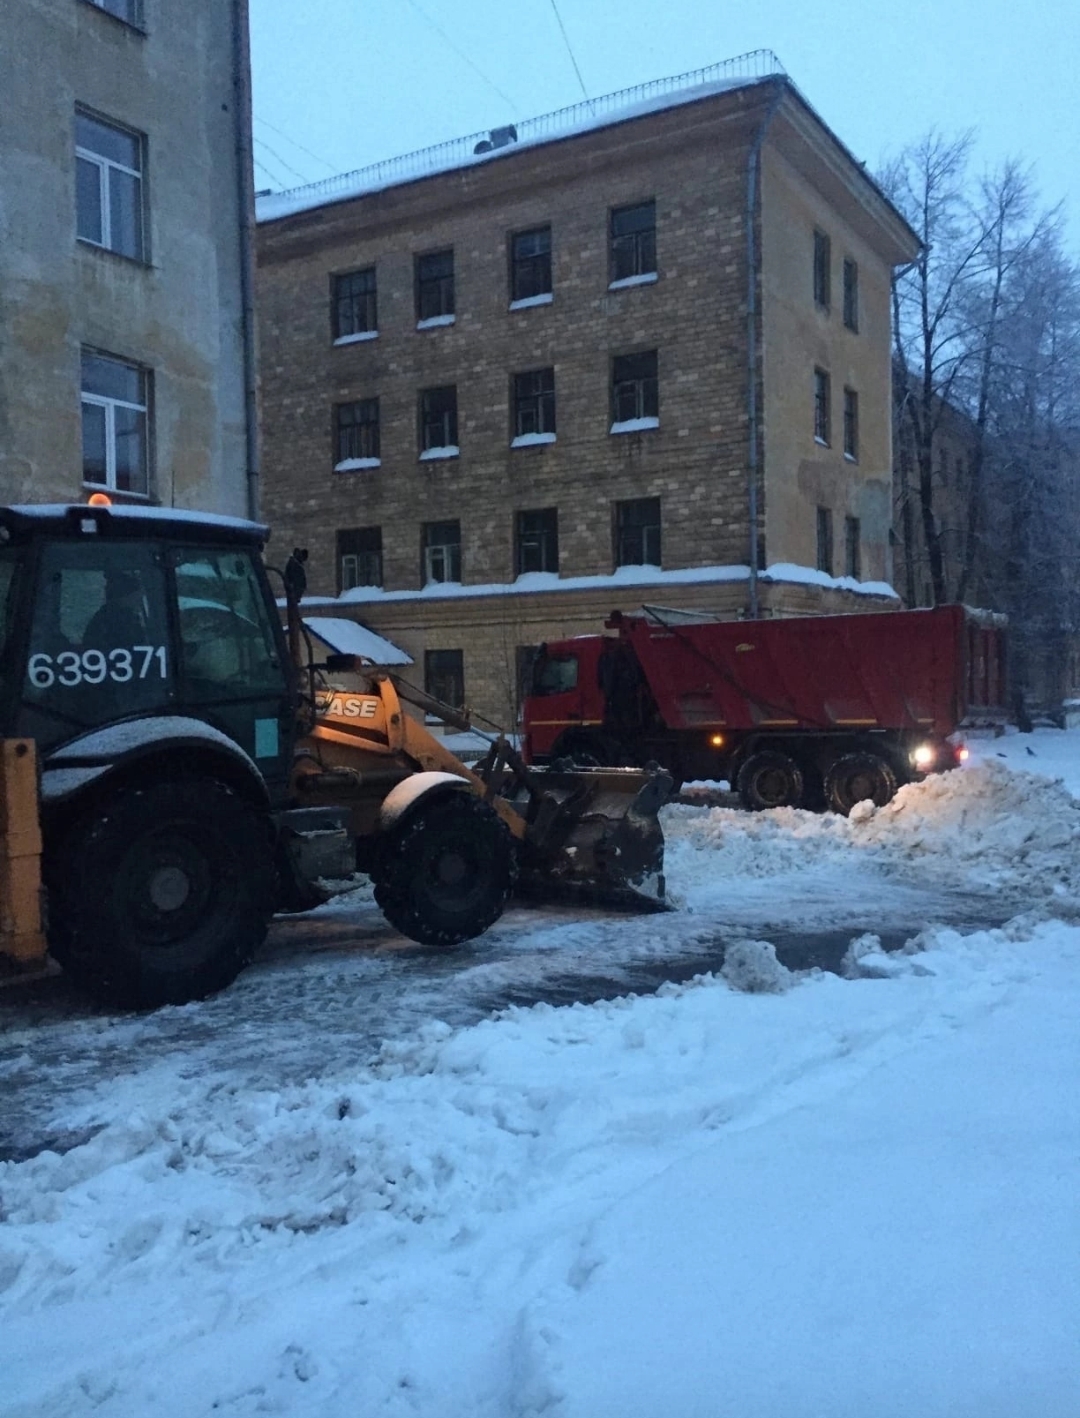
(769, 779)
(857, 776)
(444, 876)
(163, 894)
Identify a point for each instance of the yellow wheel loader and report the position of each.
(175, 768)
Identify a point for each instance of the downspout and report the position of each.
(752, 262)
(245, 193)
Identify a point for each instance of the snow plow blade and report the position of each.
(593, 834)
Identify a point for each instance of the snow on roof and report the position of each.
(346, 637)
(534, 582)
(740, 72)
(128, 511)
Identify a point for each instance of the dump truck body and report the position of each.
(707, 698)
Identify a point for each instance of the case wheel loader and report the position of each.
(175, 767)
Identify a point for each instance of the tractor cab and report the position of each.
(113, 614)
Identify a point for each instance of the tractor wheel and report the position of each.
(857, 776)
(769, 779)
(445, 875)
(163, 894)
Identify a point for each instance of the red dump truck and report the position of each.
(821, 711)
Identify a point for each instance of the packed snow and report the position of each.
(760, 1190)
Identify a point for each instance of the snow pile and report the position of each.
(983, 826)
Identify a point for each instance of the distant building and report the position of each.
(637, 351)
(126, 343)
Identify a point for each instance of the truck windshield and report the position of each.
(555, 674)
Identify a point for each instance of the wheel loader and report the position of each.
(175, 767)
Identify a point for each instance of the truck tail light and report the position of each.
(961, 753)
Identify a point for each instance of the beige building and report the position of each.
(126, 337)
(637, 351)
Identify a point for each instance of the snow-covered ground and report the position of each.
(348, 1186)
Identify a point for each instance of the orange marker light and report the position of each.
(717, 740)
(99, 499)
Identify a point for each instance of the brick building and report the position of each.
(634, 352)
(126, 317)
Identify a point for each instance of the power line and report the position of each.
(464, 57)
(279, 159)
(307, 151)
(566, 41)
(271, 175)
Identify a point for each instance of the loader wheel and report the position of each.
(445, 876)
(163, 895)
(769, 779)
(857, 776)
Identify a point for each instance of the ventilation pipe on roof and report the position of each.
(752, 263)
(497, 138)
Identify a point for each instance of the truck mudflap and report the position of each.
(594, 835)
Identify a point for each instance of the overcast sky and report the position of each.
(339, 84)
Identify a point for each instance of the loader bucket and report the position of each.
(593, 834)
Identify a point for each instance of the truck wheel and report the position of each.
(163, 895)
(445, 876)
(856, 776)
(769, 779)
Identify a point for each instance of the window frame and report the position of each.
(822, 270)
(851, 294)
(546, 534)
(375, 551)
(449, 551)
(638, 242)
(109, 403)
(825, 550)
(455, 672)
(852, 548)
(851, 424)
(822, 407)
(369, 298)
(104, 166)
(645, 387)
(538, 402)
(520, 265)
(366, 431)
(448, 447)
(624, 528)
(443, 284)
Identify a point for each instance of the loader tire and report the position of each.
(444, 876)
(769, 779)
(163, 894)
(856, 776)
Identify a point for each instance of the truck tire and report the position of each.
(769, 779)
(857, 776)
(163, 894)
(444, 876)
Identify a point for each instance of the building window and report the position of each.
(359, 557)
(353, 306)
(537, 541)
(435, 287)
(534, 407)
(821, 406)
(635, 398)
(444, 676)
(637, 532)
(438, 422)
(108, 186)
(852, 557)
(114, 424)
(822, 270)
(824, 540)
(633, 242)
(130, 11)
(357, 435)
(530, 264)
(851, 294)
(441, 551)
(851, 425)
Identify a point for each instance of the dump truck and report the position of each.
(175, 767)
(817, 711)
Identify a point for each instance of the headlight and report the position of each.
(924, 755)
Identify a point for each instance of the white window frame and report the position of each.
(102, 401)
(103, 165)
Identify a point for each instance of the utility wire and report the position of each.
(307, 151)
(279, 159)
(491, 85)
(272, 176)
(566, 41)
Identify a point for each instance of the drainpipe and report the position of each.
(245, 193)
(752, 262)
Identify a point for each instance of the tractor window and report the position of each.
(225, 633)
(556, 675)
(99, 643)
